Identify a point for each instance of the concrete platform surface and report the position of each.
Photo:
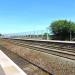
(8, 67)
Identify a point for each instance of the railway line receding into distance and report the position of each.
(62, 49)
(59, 54)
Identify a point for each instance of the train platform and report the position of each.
(8, 67)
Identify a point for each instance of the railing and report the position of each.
(40, 34)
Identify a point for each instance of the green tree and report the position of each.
(62, 29)
(0, 34)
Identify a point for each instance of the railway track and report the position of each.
(59, 49)
(54, 60)
(52, 45)
(25, 65)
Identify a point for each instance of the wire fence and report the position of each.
(39, 34)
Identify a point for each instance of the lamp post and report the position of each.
(70, 32)
(70, 35)
(47, 33)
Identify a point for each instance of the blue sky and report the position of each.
(30, 15)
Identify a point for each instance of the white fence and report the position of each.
(39, 34)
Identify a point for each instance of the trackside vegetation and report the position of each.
(62, 30)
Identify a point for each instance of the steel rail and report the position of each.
(64, 54)
(57, 46)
